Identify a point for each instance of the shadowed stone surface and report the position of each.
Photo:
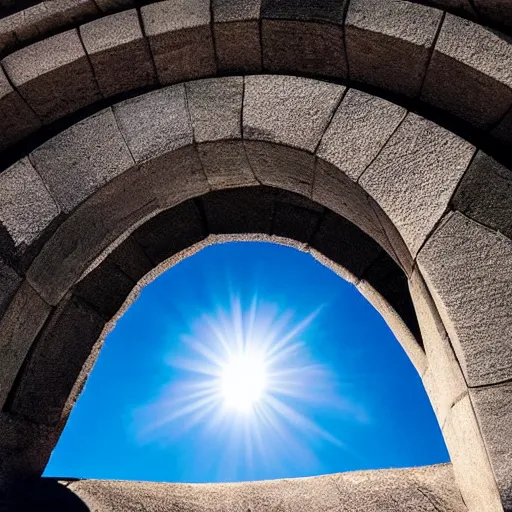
(17, 119)
(415, 490)
(9, 283)
(472, 302)
(415, 175)
(358, 131)
(388, 43)
(71, 169)
(53, 76)
(119, 53)
(498, 11)
(181, 41)
(273, 104)
(485, 194)
(471, 72)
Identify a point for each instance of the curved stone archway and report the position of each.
(111, 188)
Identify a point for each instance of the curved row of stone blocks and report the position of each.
(379, 191)
(420, 53)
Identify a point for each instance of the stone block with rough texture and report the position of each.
(389, 43)
(415, 175)
(10, 281)
(118, 52)
(53, 76)
(155, 123)
(358, 131)
(80, 160)
(467, 269)
(288, 110)
(180, 36)
(470, 72)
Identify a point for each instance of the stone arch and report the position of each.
(95, 199)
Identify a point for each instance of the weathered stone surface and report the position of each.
(351, 248)
(471, 465)
(225, 164)
(358, 131)
(388, 43)
(170, 232)
(26, 207)
(216, 108)
(9, 283)
(46, 383)
(244, 210)
(105, 289)
(493, 408)
(325, 11)
(303, 47)
(281, 166)
(181, 41)
(343, 196)
(17, 120)
(238, 46)
(234, 10)
(395, 490)
(288, 110)
(467, 269)
(503, 132)
(443, 379)
(118, 52)
(131, 259)
(78, 161)
(415, 175)
(18, 329)
(485, 194)
(53, 76)
(462, 7)
(155, 123)
(470, 74)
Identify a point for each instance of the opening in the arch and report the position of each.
(248, 361)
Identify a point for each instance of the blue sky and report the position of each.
(340, 392)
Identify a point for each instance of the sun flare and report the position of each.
(243, 382)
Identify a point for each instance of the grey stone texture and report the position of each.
(155, 123)
(215, 107)
(281, 166)
(53, 76)
(396, 490)
(272, 105)
(115, 5)
(460, 7)
(415, 175)
(26, 206)
(471, 466)
(358, 131)
(181, 40)
(17, 119)
(304, 37)
(493, 407)
(443, 378)
(470, 74)
(225, 164)
(19, 327)
(82, 159)
(467, 269)
(10, 281)
(389, 43)
(118, 52)
(46, 383)
(485, 194)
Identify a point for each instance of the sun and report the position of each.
(243, 382)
